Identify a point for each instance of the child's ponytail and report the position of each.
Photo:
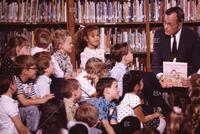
(80, 44)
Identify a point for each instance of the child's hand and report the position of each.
(162, 116)
(73, 76)
(94, 94)
(92, 77)
(157, 115)
(47, 97)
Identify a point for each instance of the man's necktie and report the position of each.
(174, 48)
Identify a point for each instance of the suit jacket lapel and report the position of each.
(180, 45)
(168, 49)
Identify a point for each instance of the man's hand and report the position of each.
(186, 82)
(168, 83)
(164, 83)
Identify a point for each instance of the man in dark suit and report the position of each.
(175, 42)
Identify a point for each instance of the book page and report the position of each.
(175, 72)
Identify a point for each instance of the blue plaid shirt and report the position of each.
(107, 110)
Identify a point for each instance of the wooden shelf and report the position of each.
(21, 25)
(128, 24)
(140, 53)
(186, 23)
(146, 25)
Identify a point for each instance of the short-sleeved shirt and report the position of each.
(27, 89)
(107, 110)
(127, 105)
(118, 72)
(9, 109)
(42, 85)
(62, 64)
(70, 108)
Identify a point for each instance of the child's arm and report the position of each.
(84, 58)
(93, 77)
(108, 127)
(34, 101)
(86, 86)
(19, 125)
(139, 114)
(57, 70)
(105, 113)
(112, 121)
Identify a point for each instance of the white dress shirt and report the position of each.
(177, 36)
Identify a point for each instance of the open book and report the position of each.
(175, 72)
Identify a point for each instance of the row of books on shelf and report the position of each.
(115, 11)
(5, 36)
(33, 11)
(89, 11)
(191, 8)
(135, 37)
(138, 64)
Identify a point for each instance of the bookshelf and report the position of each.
(120, 21)
(19, 25)
(130, 16)
(71, 27)
(22, 17)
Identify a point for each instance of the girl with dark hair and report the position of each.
(87, 42)
(131, 102)
(16, 46)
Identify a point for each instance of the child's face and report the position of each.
(32, 72)
(13, 86)
(129, 57)
(78, 93)
(139, 88)
(67, 46)
(114, 91)
(25, 50)
(50, 69)
(92, 39)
